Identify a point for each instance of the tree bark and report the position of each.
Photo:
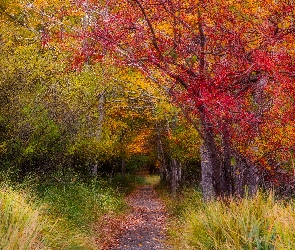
(226, 180)
(210, 166)
(246, 179)
(161, 155)
(209, 158)
(173, 177)
(179, 173)
(207, 175)
(239, 177)
(253, 180)
(94, 170)
(101, 112)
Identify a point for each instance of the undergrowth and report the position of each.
(79, 202)
(127, 183)
(153, 180)
(24, 224)
(21, 226)
(261, 222)
(57, 214)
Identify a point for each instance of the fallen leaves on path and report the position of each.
(143, 228)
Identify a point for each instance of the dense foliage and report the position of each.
(93, 87)
(198, 91)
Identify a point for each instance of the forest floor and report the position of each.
(144, 227)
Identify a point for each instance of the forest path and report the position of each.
(144, 227)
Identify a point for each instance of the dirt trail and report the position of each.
(144, 228)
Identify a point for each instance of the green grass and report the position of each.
(55, 214)
(153, 180)
(127, 183)
(25, 225)
(257, 223)
(81, 203)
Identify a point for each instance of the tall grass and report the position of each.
(24, 224)
(20, 223)
(260, 222)
(55, 215)
(81, 203)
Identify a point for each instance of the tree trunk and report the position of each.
(226, 180)
(123, 166)
(210, 166)
(85, 27)
(167, 175)
(179, 174)
(207, 174)
(173, 177)
(246, 179)
(94, 170)
(239, 177)
(112, 172)
(161, 154)
(253, 180)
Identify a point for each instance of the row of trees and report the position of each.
(95, 118)
(228, 65)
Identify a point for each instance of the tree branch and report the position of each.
(154, 38)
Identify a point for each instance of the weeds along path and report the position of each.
(144, 228)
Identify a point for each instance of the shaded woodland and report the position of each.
(200, 93)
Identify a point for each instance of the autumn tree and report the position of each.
(212, 57)
(61, 114)
(228, 65)
(54, 117)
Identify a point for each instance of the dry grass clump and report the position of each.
(58, 216)
(21, 224)
(260, 222)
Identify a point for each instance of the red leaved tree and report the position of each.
(227, 63)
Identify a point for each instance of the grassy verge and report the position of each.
(257, 223)
(127, 183)
(153, 180)
(79, 202)
(20, 222)
(24, 224)
(56, 214)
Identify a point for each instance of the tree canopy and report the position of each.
(93, 84)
